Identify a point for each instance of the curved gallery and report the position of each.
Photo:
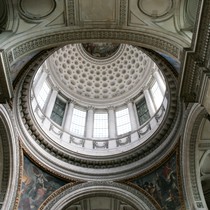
(58, 150)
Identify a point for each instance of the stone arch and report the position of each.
(190, 163)
(26, 44)
(9, 160)
(3, 16)
(69, 195)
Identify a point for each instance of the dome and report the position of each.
(92, 80)
(96, 111)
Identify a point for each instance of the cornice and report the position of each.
(196, 59)
(52, 39)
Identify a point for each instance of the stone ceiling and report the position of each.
(109, 76)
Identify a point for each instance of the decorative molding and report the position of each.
(17, 200)
(123, 12)
(120, 142)
(80, 142)
(100, 144)
(192, 151)
(155, 10)
(6, 89)
(11, 161)
(196, 64)
(70, 12)
(32, 14)
(195, 113)
(55, 39)
(101, 188)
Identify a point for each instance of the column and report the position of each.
(150, 104)
(90, 122)
(112, 122)
(50, 103)
(160, 82)
(69, 115)
(132, 115)
(40, 82)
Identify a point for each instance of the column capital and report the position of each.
(131, 100)
(55, 88)
(71, 101)
(111, 108)
(90, 108)
(45, 69)
(145, 88)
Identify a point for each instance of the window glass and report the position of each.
(156, 95)
(100, 125)
(37, 75)
(43, 95)
(123, 121)
(58, 111)
(142, 111)
(78, 122)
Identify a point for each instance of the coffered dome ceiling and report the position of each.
(92, 74)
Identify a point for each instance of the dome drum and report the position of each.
(99, 146)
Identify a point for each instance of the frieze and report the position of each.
(123, 12)
(197, 61)
(55, 39)
(203, 39)
(70, 12)
(192, 79)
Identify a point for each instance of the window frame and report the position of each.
(141, 101)
(128, 123)
(64, 112)
(85, 121)
(156, 105)
(101, 112)
(40, 94)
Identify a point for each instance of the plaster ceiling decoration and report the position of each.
(31, 9)
(97, 11)
(100, 50)
(116, 79)
(155, 8)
